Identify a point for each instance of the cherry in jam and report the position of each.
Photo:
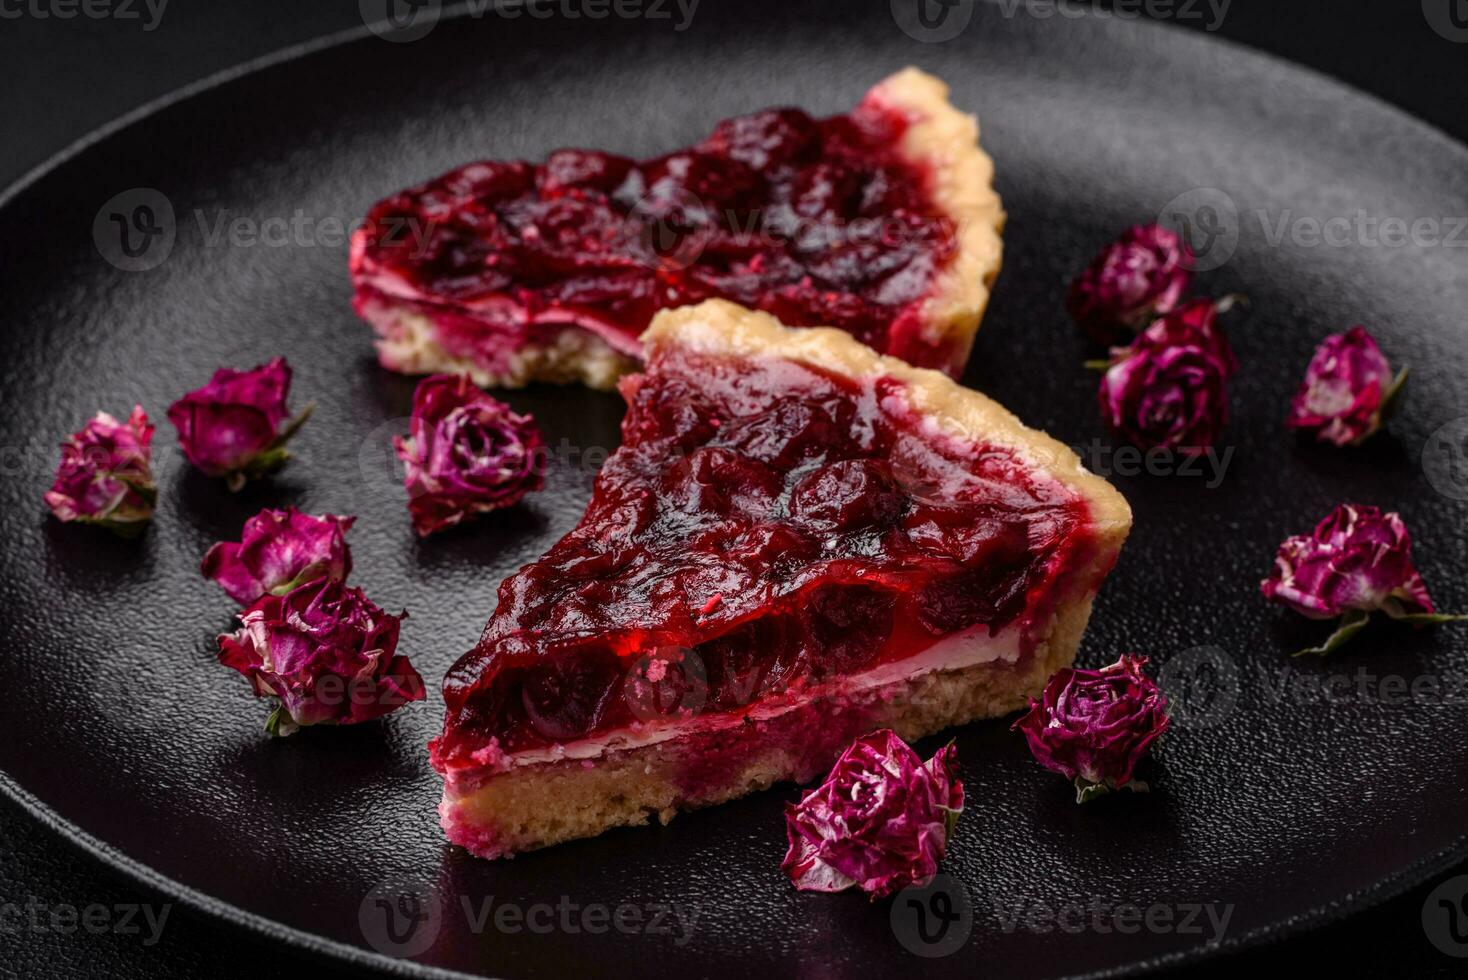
(818, 221)
(774, 525)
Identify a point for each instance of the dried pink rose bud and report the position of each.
(237, 425)
(880, 821)
(1094, 726)
(465, 454)
(278, 551)
(1356, 561)
(1348, 392)
(106, 476)
(1141, 275)
(1169, 389)
(326, 652)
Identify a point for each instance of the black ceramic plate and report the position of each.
(1272, 804)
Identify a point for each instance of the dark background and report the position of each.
(64, 77)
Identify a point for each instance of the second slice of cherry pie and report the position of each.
(882, 222)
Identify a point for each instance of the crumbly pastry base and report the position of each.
(407, 344)
(535, 806)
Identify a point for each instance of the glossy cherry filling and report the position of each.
(765, 527)
(818, 221)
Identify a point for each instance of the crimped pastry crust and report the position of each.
(944, 143)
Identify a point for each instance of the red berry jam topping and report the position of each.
(818, 221)
(764, 526)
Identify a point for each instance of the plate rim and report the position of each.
(312, 944)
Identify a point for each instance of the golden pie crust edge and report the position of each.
(944, 143)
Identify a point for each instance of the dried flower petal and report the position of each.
(237, 425)
(1348, 391)
(105, 476)
(1094, 726)
(466, 454)
(1169, 389)
(279, 550)
(880, 821)
(1141, 275)
(326, 652)
(1356, 561)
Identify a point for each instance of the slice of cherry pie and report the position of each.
(799, 541)
(882, 222)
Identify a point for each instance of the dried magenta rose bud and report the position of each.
(326, 652)
(1169, 389)
(278, 551)
(1094, 726)
(237, 425)
(1348, 392)
(106, 475)
(1356, 561)
(465, 454)
(880, 821)
(1142, 274)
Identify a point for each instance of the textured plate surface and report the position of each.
(1274, 804)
